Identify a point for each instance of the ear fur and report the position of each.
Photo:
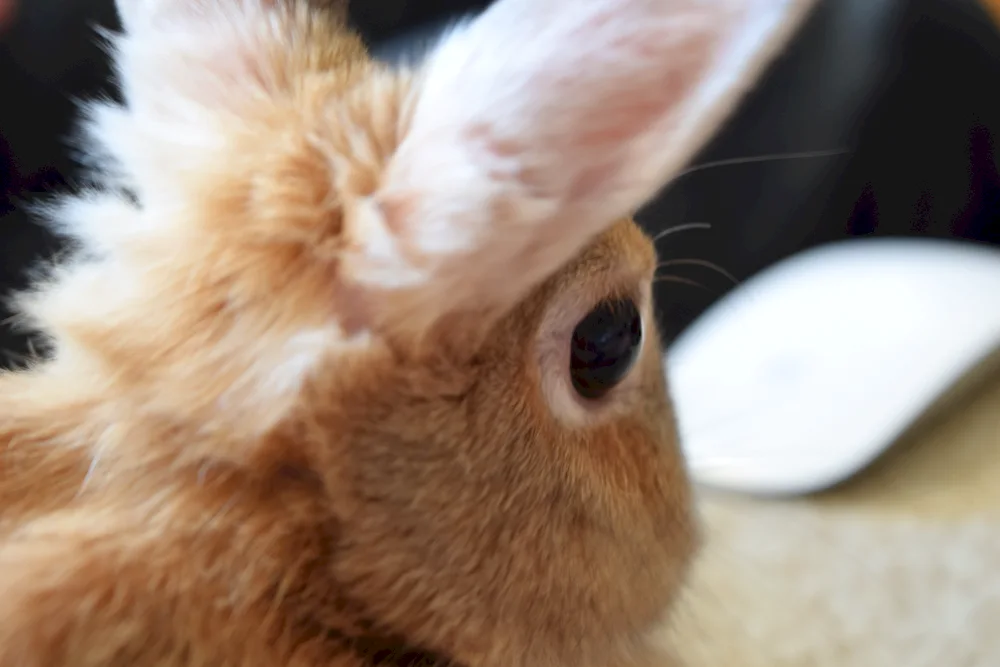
(200, 75)
(529, 130)
(206, 187)
(542, 122)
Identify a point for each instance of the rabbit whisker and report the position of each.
(699, 262)
(804, 155)
(679, 280)
(683, 227)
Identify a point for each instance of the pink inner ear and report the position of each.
(544, 121)
(554, 121)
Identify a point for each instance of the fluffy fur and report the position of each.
(308, 402)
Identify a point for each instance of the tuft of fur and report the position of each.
(308, 402)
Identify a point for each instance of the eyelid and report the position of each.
(550, 358)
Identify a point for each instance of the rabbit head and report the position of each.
(416, 293)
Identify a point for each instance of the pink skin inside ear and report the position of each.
(514, 158)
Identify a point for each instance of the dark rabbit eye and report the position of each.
(604, 347)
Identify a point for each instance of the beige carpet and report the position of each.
(899, 568)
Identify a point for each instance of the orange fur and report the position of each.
(241, 455)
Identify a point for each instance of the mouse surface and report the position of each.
(805, 374)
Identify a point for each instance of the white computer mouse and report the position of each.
(805, 374)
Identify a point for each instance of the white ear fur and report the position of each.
(128, 11)
(133, 13)
(136, 14)
(541, 123)
(185, 67)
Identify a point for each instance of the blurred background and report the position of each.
(881, 119)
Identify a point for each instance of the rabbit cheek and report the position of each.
(598, 367)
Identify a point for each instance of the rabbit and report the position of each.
(354, 365)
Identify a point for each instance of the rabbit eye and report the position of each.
(605, 345)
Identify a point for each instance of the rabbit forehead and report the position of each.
(617, 264)
(614, 261)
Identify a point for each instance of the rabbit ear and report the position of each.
(179, 64)
(192, 72)
(542, 122)
(136, 13)
(129, 11)
(181, 51)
